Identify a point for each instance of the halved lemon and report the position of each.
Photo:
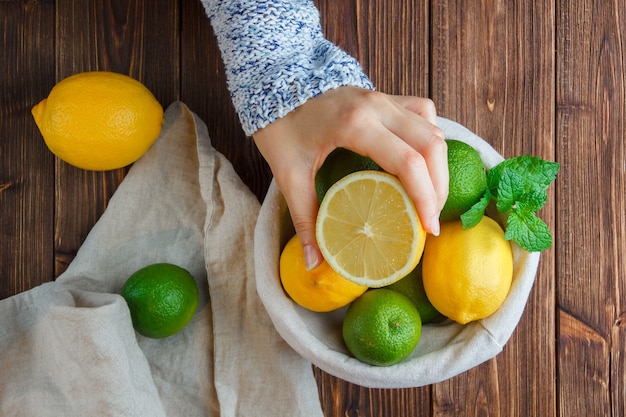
(368, 229)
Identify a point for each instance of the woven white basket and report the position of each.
(445, 349)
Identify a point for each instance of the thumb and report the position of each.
(303, 206)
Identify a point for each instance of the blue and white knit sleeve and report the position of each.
(276, 57)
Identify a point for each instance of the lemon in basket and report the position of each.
(382, 327)
(339, 163)
(467, 273)
(320, 289)
(368, 229)
(468, 180)
(412, 286)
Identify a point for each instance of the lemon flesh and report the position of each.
(368, 229)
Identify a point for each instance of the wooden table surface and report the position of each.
(541, 77)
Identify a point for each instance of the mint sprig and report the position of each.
(519, 188)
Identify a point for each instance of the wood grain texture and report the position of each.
(591, 95)
(341, 398)
(544, 77)
(26, 167)
(590, 139)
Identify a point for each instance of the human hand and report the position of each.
(397, 132)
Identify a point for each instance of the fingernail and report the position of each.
(434, 225)
(311, 257)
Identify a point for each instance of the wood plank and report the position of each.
(341, 398)
(591, 142)
(131, 37)
(617, 365)
(204, 90)
(576, 340)
(591, 97)
(493, 71)
(393, 40)
(475, 393)
(27, 167)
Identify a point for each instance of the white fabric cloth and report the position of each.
(67, 348)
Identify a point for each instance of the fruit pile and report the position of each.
(392, 276)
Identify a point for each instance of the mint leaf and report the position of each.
(518, 185)
(533, 201)
(528, 231)
(510, 189)
(473, 216)
(536, 172)
(494, 175)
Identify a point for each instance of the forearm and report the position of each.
(276, 57)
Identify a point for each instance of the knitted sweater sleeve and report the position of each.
(276, 57)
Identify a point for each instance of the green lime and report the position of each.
(382, 327)
(412, 287)
(162, 299)
(337, 165)
(468, 180)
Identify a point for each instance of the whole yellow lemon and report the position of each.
(99, 120)
(467, 273)
(320, 289)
